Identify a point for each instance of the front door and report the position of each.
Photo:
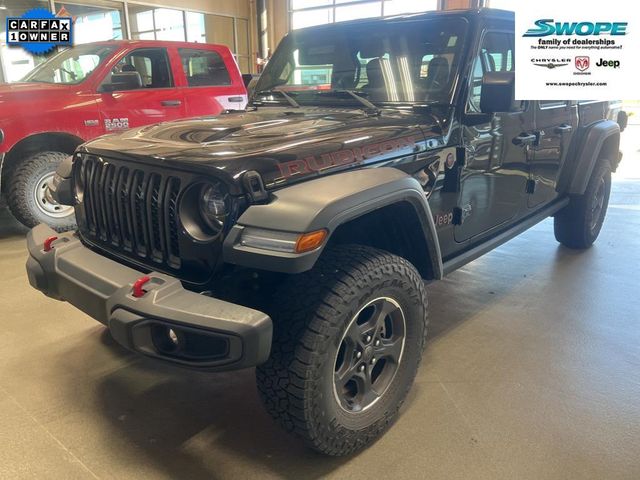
(157, 100)
(494, 176)
(554, 125)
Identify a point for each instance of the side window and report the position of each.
(151, 64)
(204, 67)
(76, 69)
(495, 55)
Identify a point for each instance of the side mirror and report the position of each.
(498, 90)
(623, 120)
(123, 81)
(251, 86)
(247, 78)
(60, 188)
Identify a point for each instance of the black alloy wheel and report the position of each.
(369, 354)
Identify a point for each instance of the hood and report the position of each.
(20, 100)
(28, 91)
(282, 144)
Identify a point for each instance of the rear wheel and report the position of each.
(579, 223)
(348, 339)
(28, 197)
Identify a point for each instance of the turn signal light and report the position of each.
(310, 241)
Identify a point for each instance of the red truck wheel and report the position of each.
(28, 198)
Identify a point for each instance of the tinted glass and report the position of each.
(70, 66)
(204, 68)
(385, 62)
(152, 64)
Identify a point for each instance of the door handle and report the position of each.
(525, 139)
(170, 103)
(564, 128)
(235, 99)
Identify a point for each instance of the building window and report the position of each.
(243, 48)
(148, 23)
(502, 4)
(307, 13)
(16, 62)
(102, 20)
(98, 20)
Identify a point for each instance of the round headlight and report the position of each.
(214, 205)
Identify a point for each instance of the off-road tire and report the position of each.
(311, 314)
(21, 192)
(579, 223)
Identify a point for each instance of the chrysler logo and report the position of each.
(550, 62)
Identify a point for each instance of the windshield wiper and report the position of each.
(427, 108)
(370, 108)
(284, 95)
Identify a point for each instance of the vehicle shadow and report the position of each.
(200, 425)
(9, 226)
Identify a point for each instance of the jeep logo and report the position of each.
(549, 27)
(608, 63)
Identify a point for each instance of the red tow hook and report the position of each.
(137, 290)
(48, 243)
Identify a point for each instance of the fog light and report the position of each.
(166, 340)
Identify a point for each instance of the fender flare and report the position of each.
(588, 153)
(329, 202)
(32, 137)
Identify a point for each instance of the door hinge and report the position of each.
(531, 186)
(254, 186)
(460, 214)
(452, 176)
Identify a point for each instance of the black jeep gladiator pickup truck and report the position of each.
(297, 236)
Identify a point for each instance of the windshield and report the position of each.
(70, 66)
(386, 62)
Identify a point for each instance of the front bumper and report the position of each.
(167, 322)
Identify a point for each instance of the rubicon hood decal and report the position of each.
(318, 163)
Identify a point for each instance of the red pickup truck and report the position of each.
(98, 88)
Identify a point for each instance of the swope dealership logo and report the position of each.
(551, 62)
(548, 26)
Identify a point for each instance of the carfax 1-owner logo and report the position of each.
(39, 31)
(595, 47)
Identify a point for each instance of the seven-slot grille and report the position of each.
(131, 210)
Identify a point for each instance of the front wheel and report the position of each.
(348, 339)
(28, 195)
